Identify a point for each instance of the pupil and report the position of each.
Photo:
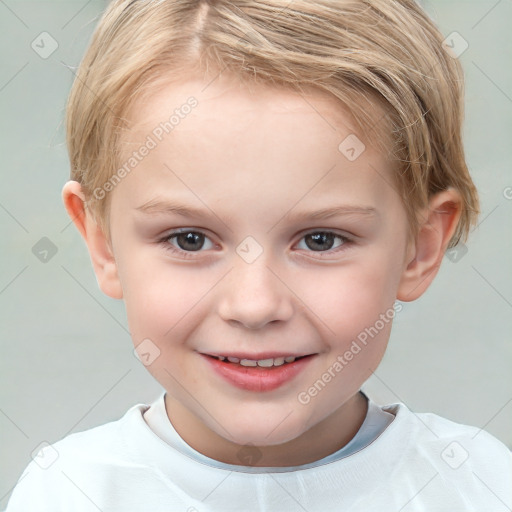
(319, 239)
(186, 241)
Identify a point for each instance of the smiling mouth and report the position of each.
(258, 372)
(261, 363)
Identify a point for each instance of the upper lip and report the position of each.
(254, 357)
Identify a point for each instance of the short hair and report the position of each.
(384, 60)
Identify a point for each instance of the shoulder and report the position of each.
(463, 444)
(96, 442)
(83, 458)
(467, 459)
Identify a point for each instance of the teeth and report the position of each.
(248, 362)
(264, 363)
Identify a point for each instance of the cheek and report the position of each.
(355, 306)
(351, 297)
(162, 298)
(164, 303)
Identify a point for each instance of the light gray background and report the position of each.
(67, 361)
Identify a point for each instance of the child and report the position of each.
(312, 150)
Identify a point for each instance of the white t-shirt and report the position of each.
(416, 462)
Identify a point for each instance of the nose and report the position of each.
(253, 295)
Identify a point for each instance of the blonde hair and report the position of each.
(375, 56)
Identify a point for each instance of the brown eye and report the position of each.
(190, 241)
(322, 241)
(186, 243)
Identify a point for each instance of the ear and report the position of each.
(424, 259)
(100, 250)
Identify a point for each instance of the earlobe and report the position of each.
(100, 250)
(439, 225)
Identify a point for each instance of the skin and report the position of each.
(251, 158)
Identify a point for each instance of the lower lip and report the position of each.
(256, 378)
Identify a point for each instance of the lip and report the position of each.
(255, 378)
(254, 357)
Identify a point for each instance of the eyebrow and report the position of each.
(333, 211)
(156, 206)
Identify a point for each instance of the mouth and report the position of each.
(259, 362)
(257, 372)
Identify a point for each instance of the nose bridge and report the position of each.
(253, 295)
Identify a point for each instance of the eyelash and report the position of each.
(165, 241)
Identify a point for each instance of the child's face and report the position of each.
(259, 167)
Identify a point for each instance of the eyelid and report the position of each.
(333, 231)
(168, 246)
(347, 241)
(180, 231)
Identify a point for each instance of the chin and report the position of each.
(264, 433)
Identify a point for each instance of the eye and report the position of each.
(185, 242)
(324, 241)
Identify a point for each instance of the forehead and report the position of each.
(224, 139)
(227, 97)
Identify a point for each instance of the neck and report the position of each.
(326, 437)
